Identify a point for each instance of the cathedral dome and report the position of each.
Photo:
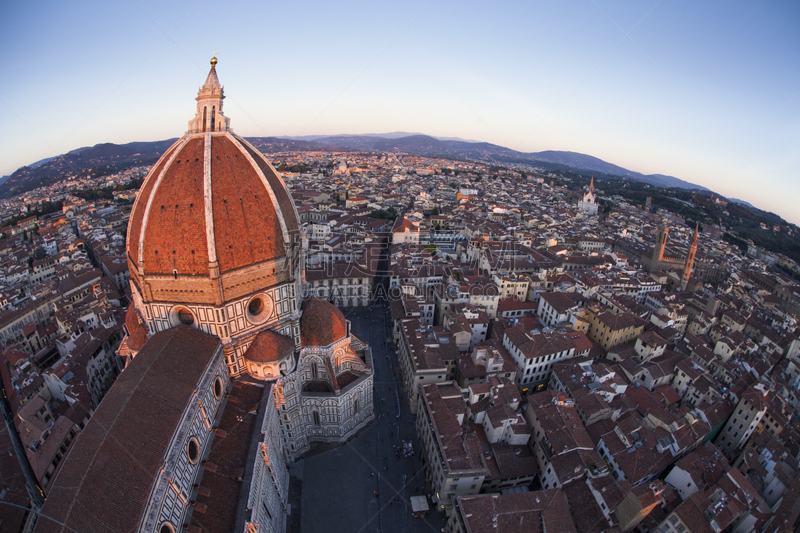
(213, 214)
(322, 323)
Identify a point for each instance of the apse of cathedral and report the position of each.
(216, 256)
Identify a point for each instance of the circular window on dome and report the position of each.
(166, 527)
(259, 309)
(193, 450)
(218, 388)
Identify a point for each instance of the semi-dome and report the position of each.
(137, 332)
(268, 347)
(322, 323)
(212, 213)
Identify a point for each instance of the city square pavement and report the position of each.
(365, 485)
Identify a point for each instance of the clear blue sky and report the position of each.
(704, 91)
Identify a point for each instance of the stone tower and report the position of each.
(658, 251)
(687, 267)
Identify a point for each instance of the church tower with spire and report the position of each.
(658, 251)
(687, 267)
(589, 203)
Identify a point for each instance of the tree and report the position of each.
(388, 214)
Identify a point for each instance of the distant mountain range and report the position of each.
(107, 157)
(102, 157)
(426, 145)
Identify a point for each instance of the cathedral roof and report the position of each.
(322, 323)
(105, 481)
(269, 346)
(209, 208)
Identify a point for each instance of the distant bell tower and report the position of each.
(658, 251)
(209, 115)
(687, 267)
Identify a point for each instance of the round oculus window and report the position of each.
(259, 309)
(193, 450)
(218, 388)
(256, 306)
(185, 317)
(166, 527)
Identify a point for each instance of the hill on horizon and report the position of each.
(108, 157)
(425, 145)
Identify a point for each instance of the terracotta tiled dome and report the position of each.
(269, 346)
(322, 323)
(210, 208)
(137, 332)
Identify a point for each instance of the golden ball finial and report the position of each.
(214, 60)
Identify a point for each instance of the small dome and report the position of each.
(322, 323)
(137, 332)
(269, 346)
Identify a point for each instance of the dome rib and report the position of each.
(176, 219)
(153, 193)
(244, 213)
(284, 203)
(208, 199)
(267, 185)
(139, 213)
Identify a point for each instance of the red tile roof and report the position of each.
(107, 477)
(322, 323)
(137, 333)
(269, 346)
(247, 201)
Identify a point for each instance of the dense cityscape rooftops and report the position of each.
(523, 320)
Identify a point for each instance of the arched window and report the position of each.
(204, 120)
(314, 371)
(355, 406)
(213, 116)
(316, 418)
